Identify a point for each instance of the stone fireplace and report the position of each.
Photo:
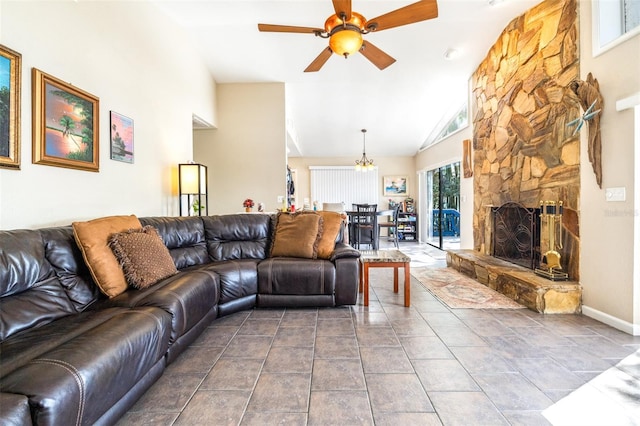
(523, 150)
(524, 154)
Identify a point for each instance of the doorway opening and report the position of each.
(441, 220)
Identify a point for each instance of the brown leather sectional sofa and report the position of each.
(71, 356)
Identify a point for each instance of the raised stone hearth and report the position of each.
(518, 283)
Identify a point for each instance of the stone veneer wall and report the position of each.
(523, 150)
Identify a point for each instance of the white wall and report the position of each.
(246, 156)
(606, 228)
(139, 64)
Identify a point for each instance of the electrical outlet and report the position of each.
(615, 194)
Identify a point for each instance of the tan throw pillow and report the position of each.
(297, 235)
(92, 238)
(331, 225)
(143, 256)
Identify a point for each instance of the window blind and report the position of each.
(343, 184)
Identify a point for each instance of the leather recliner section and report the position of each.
(284, 280)
(79, 380)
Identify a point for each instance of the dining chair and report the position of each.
(365, 225)
(390, 225)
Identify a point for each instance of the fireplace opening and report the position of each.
(516, 234)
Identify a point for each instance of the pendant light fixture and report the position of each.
(364, 164)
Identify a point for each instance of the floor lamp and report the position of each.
(192, 189)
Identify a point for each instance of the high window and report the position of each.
(450, 124)
(614, 21)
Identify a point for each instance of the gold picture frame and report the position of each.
(65, 124)
(10, 78)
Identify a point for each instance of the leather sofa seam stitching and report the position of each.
(76, 375)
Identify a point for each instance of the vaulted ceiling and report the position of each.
(399, 106)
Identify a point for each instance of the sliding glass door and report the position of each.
(441, 220)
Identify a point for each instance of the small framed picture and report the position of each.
(65, 124)
(10, 77)
(395, 186)
(121, 138)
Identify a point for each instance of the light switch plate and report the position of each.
(615, 194)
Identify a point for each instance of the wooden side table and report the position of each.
(385, 259)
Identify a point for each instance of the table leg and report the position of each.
(407, 285)
(366, 284)
(395, 279)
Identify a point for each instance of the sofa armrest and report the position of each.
(344, 251)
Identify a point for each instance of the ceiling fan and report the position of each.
(345, 28)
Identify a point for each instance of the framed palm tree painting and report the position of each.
(65, 124)
(10, 77)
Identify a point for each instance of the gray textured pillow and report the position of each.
(144, 258)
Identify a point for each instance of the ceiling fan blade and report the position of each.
(376, 56)
(342, 6)
(319, 61)
(288, 29)
(415, 12)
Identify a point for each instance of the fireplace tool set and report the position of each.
(551, 215)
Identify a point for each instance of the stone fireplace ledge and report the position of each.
(518, 283)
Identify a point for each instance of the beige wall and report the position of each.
(386, 166)
(246, 154)
(139, 64)
(606, 228)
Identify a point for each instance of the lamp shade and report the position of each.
(192, 189)
(192, 178)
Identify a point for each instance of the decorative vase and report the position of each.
(247, 209)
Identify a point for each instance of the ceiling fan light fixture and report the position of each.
(345, 42)
(345, 29)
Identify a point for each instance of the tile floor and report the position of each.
(389, 365)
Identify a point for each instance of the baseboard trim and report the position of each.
(627, 327)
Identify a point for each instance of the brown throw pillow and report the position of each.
(143, 256)
(92, 238)
(297, 235)
(331, 225)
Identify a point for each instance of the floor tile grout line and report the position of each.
(364, 376)
(209, 370)
(481, 389)
(313, 363)
(260, 371)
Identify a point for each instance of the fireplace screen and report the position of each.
(516, 235)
